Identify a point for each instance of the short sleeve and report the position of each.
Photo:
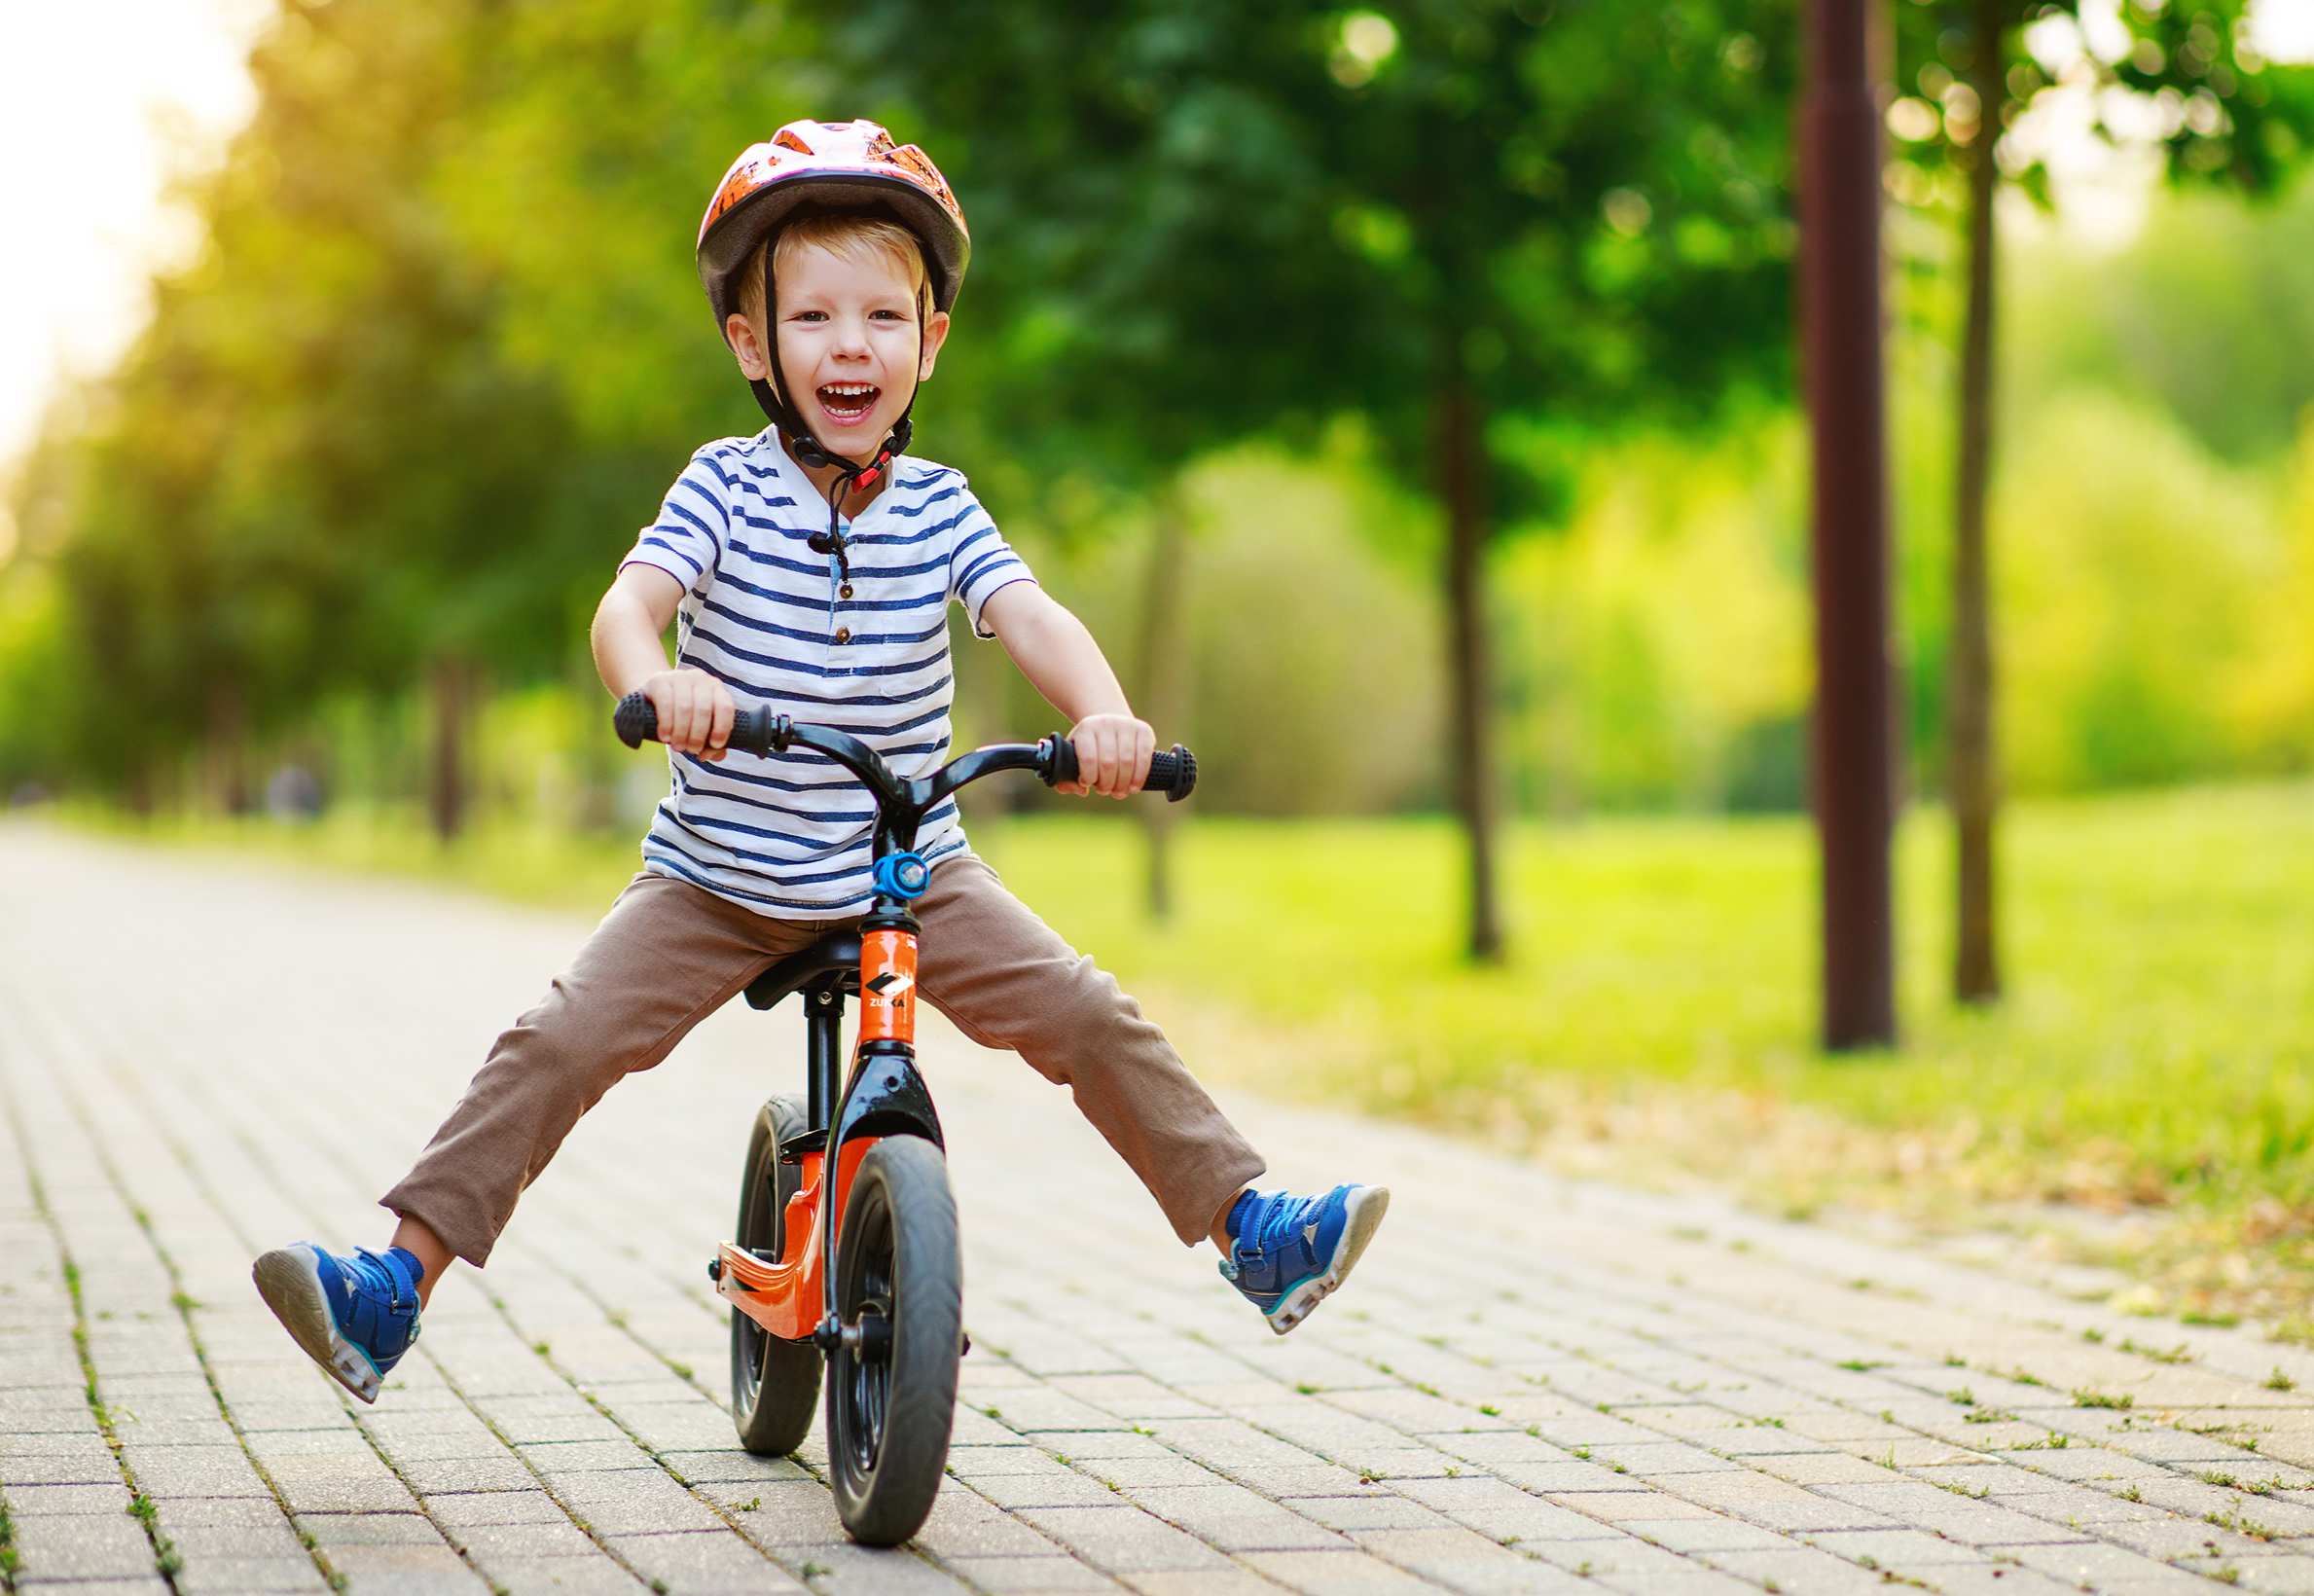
(980, 561)
(686, 541)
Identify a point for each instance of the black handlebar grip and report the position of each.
(637, 721)
(752, 731)
(1172, 774)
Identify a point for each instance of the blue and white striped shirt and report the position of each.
(789, 835)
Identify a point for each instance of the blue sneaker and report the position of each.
(1287, 1253)
(354, 1316)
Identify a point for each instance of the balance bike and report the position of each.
(872, 1279)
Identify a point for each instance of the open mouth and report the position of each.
(847, 402)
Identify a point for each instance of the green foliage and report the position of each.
(2141, 585)
(441, 352)
(1196, 222)
(2209, 313)
(2195, 86)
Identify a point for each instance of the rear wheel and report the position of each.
(891, 1389)
(773, 1383)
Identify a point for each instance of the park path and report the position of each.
(1532, 1385)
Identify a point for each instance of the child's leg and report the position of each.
(668, 955)
(1007, 980)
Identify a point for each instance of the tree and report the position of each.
(2221, 113)
(440, 353)
(1478, 224)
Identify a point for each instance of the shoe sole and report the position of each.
(1365, 1211)
(285, 1278)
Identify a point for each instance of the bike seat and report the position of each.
(833, 959)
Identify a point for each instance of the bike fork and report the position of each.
(885, 1095)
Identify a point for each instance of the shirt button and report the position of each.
(843, 591)
(843, 634)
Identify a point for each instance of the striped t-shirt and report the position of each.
(789, 835)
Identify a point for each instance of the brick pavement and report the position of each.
(1635, 1395)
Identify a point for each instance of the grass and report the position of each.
(1657, 1010)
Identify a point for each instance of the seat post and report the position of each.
(823, 1024)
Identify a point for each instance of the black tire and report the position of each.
(775, 1384)
(891, 1393)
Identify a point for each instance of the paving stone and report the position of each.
(1334, 1573)
(82, 1546)
(250, 1577)
(410, 1529)
(2278, 1576)
(964, 1524)
(1902, 1550)
(1232, 1581)
(1998, 1579)
(175, 1513)
(1124, 1540)
(2089, 1562)
(1628, 1506)
(858, 1571)
(1234, 1519)
(1799, 1571)
(704, 1564)
(634, 1502)
(730, 1467)
(593, 1576)
(1713, 1534)
(421, 1571)
(195, 1470)
(1062, 1487)
(1368, 1512)
(494, 1544)
(199, 1541)
(37, 1501)
(1028, 1575)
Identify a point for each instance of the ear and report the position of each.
(739, 333)
(935, 335)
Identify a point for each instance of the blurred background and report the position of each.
(345, 346)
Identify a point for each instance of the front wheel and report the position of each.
(891, 1387)
(773, 1383)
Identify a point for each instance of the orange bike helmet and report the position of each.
(849, 165)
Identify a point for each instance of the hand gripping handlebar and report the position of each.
(1053, 759)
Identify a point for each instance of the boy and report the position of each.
(831, 260)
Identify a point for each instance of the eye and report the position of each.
(809, 316)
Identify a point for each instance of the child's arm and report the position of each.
(695, 709)
(1062, 662)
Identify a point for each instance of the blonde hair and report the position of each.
(846, 235)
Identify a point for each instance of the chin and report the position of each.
(859, 439)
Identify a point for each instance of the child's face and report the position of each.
(847, 345)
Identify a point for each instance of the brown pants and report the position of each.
(671, 954)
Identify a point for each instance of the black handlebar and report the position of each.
(1053, 759)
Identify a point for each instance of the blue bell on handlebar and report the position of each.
(903, 876)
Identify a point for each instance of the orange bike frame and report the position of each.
(789, 1297)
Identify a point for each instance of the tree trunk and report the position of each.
(447, 782)
(1968, 709)
(1165, 673)
(1461, 470)
(228, 750)
(1853, 769)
